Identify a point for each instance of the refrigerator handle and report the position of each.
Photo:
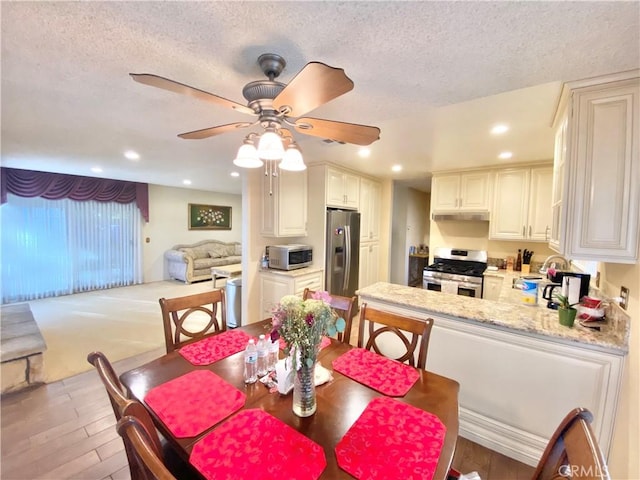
(347, 258)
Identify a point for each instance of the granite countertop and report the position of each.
(506, 313)
(293, 273)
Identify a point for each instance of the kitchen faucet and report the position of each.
(564, 264)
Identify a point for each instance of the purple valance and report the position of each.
(54, 186)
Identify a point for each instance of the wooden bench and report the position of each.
(22, 345)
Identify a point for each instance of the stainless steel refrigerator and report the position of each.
(343, 252)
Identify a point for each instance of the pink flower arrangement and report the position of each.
(302, 323)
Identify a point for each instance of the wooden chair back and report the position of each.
(573, 451)
(176, 312)
(345, 307)
(119, 400)
(414, 333)
(140, 436)
(115, 389)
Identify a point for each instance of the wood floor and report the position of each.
(66, 430)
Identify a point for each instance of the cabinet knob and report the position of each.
(524, 230)
(529, 231)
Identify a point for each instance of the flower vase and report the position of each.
(304, 391)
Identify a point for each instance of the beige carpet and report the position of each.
(120, 322)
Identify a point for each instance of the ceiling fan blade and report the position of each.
(176, 87)
(315, 85)
(213, 131)
(339, 131)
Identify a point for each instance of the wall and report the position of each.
(410, 226)
(624, 460)
(475, 235)
(168, 224)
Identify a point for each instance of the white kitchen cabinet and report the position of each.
(558, 216)
(491, 287)
(368, 267)
(274, 285)
(522, 204)
(370, 191)
(598, 169)
(343, 189)
(469, 191)
(284, 205)
(540, 198)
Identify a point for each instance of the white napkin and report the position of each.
(285, 377)
(449, 286)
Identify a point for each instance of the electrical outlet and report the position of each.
(624, 295)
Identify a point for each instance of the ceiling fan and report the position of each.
(278, 105)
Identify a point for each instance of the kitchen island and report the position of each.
(519, 370)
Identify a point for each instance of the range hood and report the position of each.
(480, 216)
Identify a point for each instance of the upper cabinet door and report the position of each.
(461, 192)
(369, 210)
(445, 192)
(558, 204)
(522, 204)
(351, 191)
(605, 173)
(284, 205)
(343, 189)
(510, 204)
(540, 197)
(474, 191)
(335, 188)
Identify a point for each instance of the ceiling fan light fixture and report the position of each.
(247, 157)
(292, 160)
(270, 146)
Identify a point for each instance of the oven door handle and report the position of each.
(460, 284)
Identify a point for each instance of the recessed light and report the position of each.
(396, 168)
(235, 174)
(505, 155)
(96, 170)
(499, 129)
(364, 152)
(186, 182)
(131, 155)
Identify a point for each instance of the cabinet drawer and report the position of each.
(312, 282)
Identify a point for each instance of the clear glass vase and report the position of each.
(304, 391)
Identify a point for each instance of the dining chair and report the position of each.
(142, 440)
(185, 316)
(345, 307)
(573, 451)
(117, 397)
(122, 406)
(414, 334)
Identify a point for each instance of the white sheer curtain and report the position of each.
(58, 247)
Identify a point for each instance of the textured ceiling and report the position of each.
(434, 76)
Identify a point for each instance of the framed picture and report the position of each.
(209, 217)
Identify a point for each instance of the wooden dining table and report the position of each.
(340, 402)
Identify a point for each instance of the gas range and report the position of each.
(456, 267)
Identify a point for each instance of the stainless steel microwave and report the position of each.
(289, 257)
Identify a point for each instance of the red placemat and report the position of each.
(392, 440)
(255, 445)
(190, 404)
(215, 347)
(380, 373)
(324, 342)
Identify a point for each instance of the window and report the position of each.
(58, 247)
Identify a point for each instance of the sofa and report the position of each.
(192, 263)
